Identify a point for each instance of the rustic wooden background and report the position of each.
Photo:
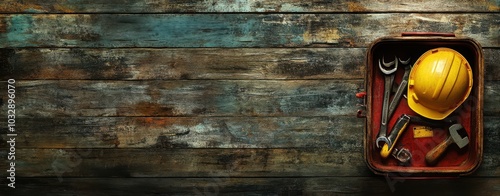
(216, 96)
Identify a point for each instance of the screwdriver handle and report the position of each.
(433, 156)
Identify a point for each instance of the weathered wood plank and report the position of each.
(255, 186)
(158, 162)
(49, 98)
(306, 162)
(194, 63)
(189, 6)
(340, 132)
(54, 98)
(234, 30)
(491, 93)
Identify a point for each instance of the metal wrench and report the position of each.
(388, 78)
(401, 88)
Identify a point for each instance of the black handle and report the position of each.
(448, 121)
(398, 128)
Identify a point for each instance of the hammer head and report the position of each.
(459, 135)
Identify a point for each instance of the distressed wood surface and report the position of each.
(54, 98)
(216, 96)
(339, 132)
(190, 6)
(257, 186)
(195, 63)
(234, 30)
(48, 98)
(174, 64)
(246, 162)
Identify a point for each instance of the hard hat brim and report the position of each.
(427, 112)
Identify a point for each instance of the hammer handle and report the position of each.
(433, 156)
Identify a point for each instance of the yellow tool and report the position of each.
(396, 132)
(401, 125)
(422, 132)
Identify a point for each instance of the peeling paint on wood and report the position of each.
(311, 162)
(258, 186)
(249, 96)
(197, 98)
(189, 6)
(206, 63)
(172, 64)
(234, 30)
(190, 162)
(339, 132)
(186, 98)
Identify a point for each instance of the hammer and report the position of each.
(458, 135)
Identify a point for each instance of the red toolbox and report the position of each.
(418, 139)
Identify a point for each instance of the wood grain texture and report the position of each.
(174, 64)
(234, 30)
(54, 98)
(229, 97)
(247, 162)
(340, 132)
(191, 6)
(95, 162)
(49, 98)
(256, 186)
(194, 63)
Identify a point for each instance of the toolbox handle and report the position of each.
(406, 34)
(361, 113)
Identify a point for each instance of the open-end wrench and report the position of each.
(388, 78)
(401, 88)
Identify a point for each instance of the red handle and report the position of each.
(404, 34)
(361, 95)
(361, 113)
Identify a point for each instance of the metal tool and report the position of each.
(396, 132)
(388, 78)
(403, 155)
(401, 89)
(446, 122)
(401, 125)
(458, 135)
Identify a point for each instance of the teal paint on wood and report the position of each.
(237, 30)
(19, 29)
(194, 31)
(182, 63)
(243, 6)
(46, 98)
(195, 63)
(341, 133)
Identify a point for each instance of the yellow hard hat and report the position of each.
(439, 82)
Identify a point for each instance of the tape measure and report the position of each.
(422, 132)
